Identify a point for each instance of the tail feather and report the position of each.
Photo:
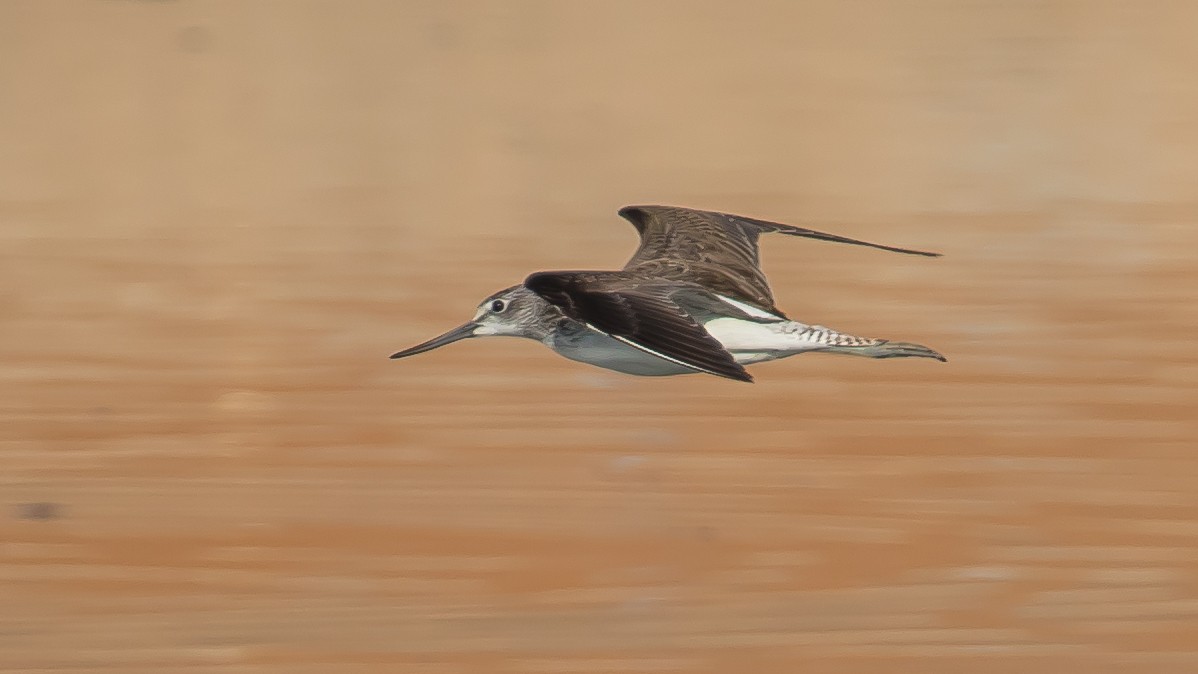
(886, 349)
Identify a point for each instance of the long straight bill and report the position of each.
(459, 333)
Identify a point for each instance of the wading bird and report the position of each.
(691, 299)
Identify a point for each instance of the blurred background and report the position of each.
(217, 219)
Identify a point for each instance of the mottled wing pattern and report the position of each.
(718, 250)
(699, 246)
(638, 314)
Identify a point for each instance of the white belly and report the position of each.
(598, 349)
(747, 341)
(751, 342)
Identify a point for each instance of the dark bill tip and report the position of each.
(459, 333)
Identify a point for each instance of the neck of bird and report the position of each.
(547, 321)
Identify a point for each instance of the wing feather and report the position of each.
(717, 250)
(640, 315)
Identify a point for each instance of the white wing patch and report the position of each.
(750, 310)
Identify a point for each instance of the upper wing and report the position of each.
(642, 316)
(683, 243)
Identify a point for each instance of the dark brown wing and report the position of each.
(642, 316)
(718, 250)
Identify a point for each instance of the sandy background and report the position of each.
(217, 219)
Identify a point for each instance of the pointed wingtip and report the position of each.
(742, 375)
(908, 251)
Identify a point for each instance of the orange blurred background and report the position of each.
(217, 219)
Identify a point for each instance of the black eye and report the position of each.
(498, 306)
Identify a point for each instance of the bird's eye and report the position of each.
(498, 306)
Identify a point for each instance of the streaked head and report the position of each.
(515, 311)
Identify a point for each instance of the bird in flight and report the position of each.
(692, 299)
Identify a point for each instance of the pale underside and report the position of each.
(749, 341)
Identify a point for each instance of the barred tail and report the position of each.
(886, 349)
